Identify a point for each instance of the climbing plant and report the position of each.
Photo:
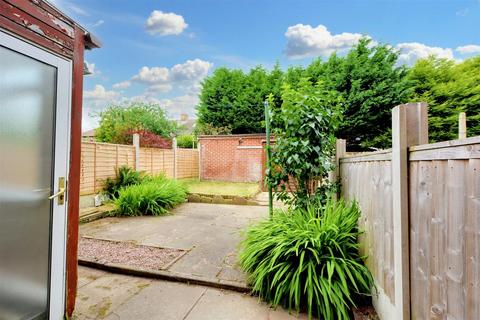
(304, 142)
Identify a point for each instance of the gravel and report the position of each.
(127, 253)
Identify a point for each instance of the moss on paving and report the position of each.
(222, 188)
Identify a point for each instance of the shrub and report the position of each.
(124, 176)
(186, 141)
(308, 259)
(155, 196)
(304, 141)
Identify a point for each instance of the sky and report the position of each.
(160, 51)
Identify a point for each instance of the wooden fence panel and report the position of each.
(187, 163)
(87, 168)
(99, 160)
(445, 230)
(368, 180)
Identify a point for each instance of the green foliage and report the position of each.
(308, 259)
(371, 85)
(233, 100)
(117, 123)
(155, 196)
(124, 177)
(304, 140)
(449, 88)
(186, 141)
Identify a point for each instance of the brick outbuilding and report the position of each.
(234, 158)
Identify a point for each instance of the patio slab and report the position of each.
(113, 296)
(210, 232)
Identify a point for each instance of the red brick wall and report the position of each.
(235, 158)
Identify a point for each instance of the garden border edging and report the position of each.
(165, 275)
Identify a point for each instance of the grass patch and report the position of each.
(155, 196)
(222, 188)
(308, 259)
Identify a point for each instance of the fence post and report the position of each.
(340, 151)
(409, 128)
(136, 144)
(174, 146)
(462, 125)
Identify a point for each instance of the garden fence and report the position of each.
(99, 160)
(420, 207)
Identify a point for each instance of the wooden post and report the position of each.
(136, 144)
(174, 146)
(340, 152)
(462, 125)
(409, 128)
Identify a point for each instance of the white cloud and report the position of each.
(152, 75)
(98, 23)
(122, 85)
(410, 52)
(158, 88)
(305, 40)
(468, 49)
(100, 93)
(161, 79)
(78, 10)
(164, 24)
(181, 104)
(190, 70)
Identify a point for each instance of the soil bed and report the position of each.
(127, 253)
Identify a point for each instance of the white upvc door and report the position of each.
(35, 103)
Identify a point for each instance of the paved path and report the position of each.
(210, 233)
(103, 295)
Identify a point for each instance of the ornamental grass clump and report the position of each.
(155, 196)
(124, 177)
(308, 260)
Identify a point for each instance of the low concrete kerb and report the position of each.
(221, 199)
(165, 275)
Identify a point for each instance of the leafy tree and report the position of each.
(371, 85)
(305, 140)
(117, 123)
(234, 100)
(449, 88)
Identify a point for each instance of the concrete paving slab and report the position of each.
(100, 297)
(160, 301)
(217, 304)
(87, 276)
(210, 232)
(113, 297)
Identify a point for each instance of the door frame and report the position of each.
(58, 221)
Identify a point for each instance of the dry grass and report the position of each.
(222, 188)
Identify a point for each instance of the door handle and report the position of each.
(60, 193)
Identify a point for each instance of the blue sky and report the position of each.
(160, 51)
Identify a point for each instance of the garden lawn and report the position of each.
(222, 188)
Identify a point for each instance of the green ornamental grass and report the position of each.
(124, 177)
(308, 260)
(155, 196)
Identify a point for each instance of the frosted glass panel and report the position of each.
(27, 113)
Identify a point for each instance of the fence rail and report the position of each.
(420, 207)
(99, 160)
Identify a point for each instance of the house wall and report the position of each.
(234, 158)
